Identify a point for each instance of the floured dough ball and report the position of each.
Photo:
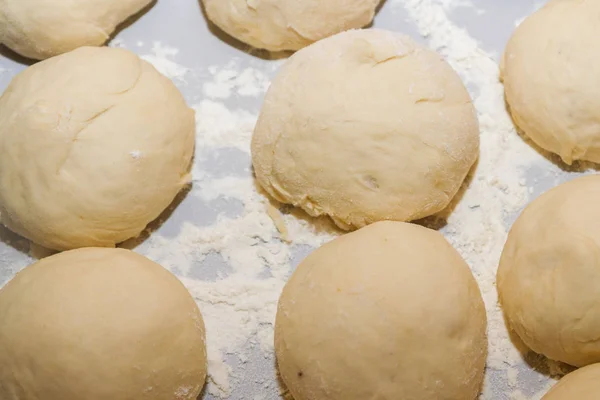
(95, 144)
(388, 312)
(43, 28)
(549, 273)
(99, 324)
(288, 24)
(366, 126)
(551, 76)
(583, 384)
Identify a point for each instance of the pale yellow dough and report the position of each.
(94, 145)
(366, 126)
(583, 384)
(390, 311)
(288, 24)
(99, 324)
(551, 75)
(44, 28)
(549, 273)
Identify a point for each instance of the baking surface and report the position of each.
(218, 237)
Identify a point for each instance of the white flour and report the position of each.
(230, 255)
(228, 80)
(161, 58)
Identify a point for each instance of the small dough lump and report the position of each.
(366, 126)
(94, 145)
(549, 274)
(551, 76)
(278, 25)
(44, 28)
(583, 384)
(390, 311)
(99, 324)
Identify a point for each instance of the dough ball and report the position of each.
(583, 384)
(549, 273)
(95, 144)
(387, 312)
(43, 28)
(365, 126)
(278, 25)
(99, 324)
(551, 76)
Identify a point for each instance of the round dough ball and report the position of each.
(549, 273)
(551, 75)
(583, 384)
(43, 28)
(388, 312)
(366, 126)
(99, 324)
(278, 25)
(95, 144)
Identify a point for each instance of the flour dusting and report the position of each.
(228, 80)
(162, 59)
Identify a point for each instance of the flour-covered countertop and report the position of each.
(218, 237)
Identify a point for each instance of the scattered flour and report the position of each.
(236, 264)
(249, 82)
(220, 127)
(161, 58)
(451, 5)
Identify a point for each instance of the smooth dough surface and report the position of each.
(551, 75)
(99, 324)
(44, 28)
(390, 311)
(365, 126)
(288, 24)
(549, 274)
(583, 384)
(95, 144)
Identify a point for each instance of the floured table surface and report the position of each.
(223, 244)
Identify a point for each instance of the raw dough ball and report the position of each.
(95, 144)
(99, 324)
(388, 312)
(551, 76)
(549, 273)
(44, 28)
(583, 384)
(366, 126)
(288, 24)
